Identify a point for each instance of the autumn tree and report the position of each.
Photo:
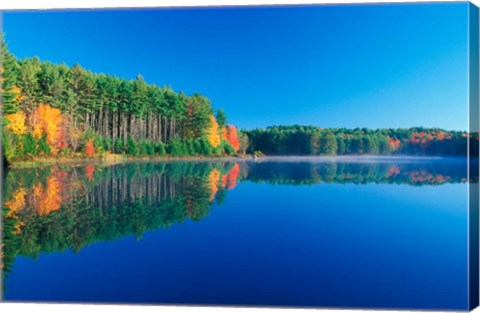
(49, 123)
(213, 136)
(16, 122)
(89, 148)
(233, 138)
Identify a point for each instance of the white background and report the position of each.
(68, 308)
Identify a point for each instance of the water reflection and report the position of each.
(310, 171)
(50, 209)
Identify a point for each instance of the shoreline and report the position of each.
(123, 159)
(114, 159)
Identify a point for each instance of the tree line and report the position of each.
(57, 110)
(53, 109)
(311, 140)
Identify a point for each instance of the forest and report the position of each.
(311, 140)
(55, 111)
(52, 110)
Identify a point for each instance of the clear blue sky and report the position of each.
(397, 65)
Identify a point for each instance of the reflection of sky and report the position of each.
(329, 245)
(397, 65)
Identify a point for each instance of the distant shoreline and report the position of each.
(122, 159)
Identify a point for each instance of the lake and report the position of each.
(330, 232)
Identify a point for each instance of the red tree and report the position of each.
(89, 148)
(232, 137)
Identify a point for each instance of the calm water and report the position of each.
(384, 233)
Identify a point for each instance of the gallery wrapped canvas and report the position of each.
(283, 156)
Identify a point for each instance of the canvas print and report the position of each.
(282, 156)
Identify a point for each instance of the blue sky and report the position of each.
(376, 66)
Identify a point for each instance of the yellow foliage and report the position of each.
(18, 93)
(49, 123)
(212, 133)
(49, 199)
(18, 228)
(16, 122)
(214, 179)
(17, 203)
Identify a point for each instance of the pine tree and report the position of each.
(8, 80)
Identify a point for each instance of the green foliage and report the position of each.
(143, 148)
(189, 148)
(8, 150)
(341, 147)
(197, 116)
(227, 148)
(198, 146)
(132, 148)
(30, 145)
(150, 148)
(146, 148)
(107, 144)
(221, 118)
(176, 148)
(9, 79)
(43, 146)
(205, 147)
(159, 149)
(328, 143)
(119, 146)
(311, 140)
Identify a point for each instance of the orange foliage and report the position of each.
(223, 133)
(394, 143)
(213, 136)
(213, 180)
(89, 171)
(233, 138)
(230, 180)
(393, 171)
(89, 148)
(415, 138)
(48, 121)
(16, 122)
(48, 199)
(442, 135)
(425, 138)
(17, 203)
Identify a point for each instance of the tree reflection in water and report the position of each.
(49, 209)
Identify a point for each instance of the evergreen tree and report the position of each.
(8, 72)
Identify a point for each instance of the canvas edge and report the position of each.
(473, 154)
(1, 175)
